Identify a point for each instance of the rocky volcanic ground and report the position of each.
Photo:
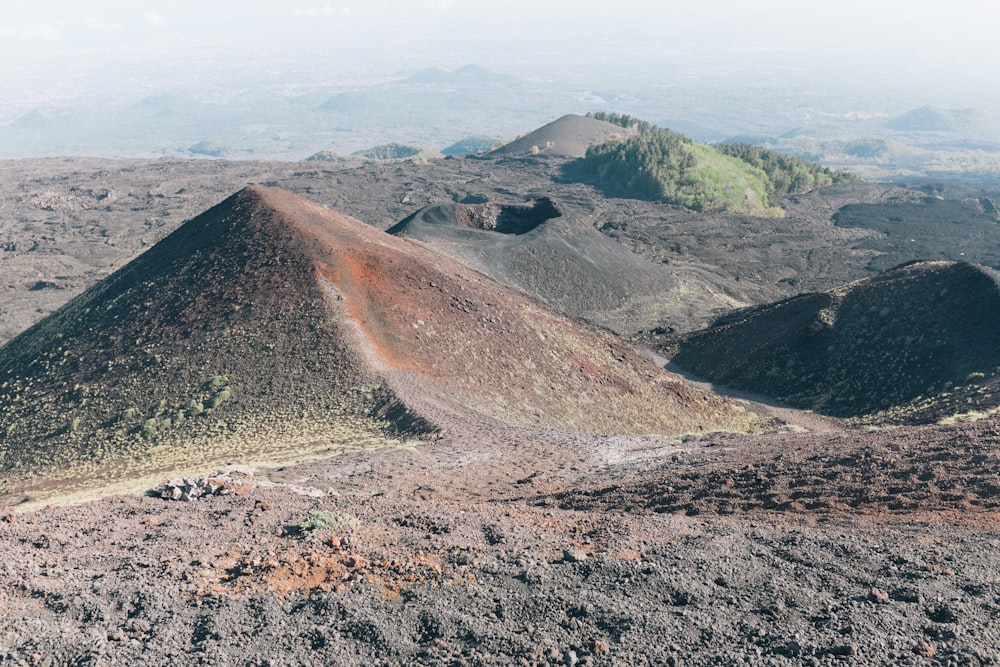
(814, 544)
(524, 550)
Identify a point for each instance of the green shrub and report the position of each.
(219, 398)
(786, 174)
(217, 381)
(149, 429)
(622, 119)
(319, 519)
(471, 145)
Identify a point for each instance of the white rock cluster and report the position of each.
(235, 480)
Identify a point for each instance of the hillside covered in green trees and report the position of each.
(666, 166)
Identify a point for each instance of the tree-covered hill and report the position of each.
(666, 166)
(787, 175)
(622, 119)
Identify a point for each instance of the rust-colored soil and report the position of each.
(484, 346)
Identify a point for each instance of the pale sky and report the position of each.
(914, 43)
(957, 32)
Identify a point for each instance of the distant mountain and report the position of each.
(45, 119)
(400, 100)
(934, 119)
(271, 328)
(466, 75)
(916, 343)
(165, 105)
(351, 103)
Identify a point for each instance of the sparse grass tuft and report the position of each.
(217, 382)
(321, 519)
(967, 417)
(219, 398)
(149, 428)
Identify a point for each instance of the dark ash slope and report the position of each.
(555, 254)
(918, 342)
(219, 332)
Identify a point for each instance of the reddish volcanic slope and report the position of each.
(271, 328)
(422, 317)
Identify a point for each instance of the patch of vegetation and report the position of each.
(217, 399)
(967, 417)
(622, 119)
(665, 166)
(212, 394)
(209, 147)
(754, 139)
(391, 151)
(866, 148)
(786, 174)
(325, 156)
(149, 428)
(217, 382)
(472, 145)
(964, 163)
(320, 519)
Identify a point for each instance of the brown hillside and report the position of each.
(270, 326)
(568, 136)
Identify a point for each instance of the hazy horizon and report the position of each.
(863, 58)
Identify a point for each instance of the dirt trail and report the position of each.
(810, 421)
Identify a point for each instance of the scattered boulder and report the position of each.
(925, 649)
(878, 596)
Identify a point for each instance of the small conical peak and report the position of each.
(293, 212)
(271, 325)
(567, 136)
